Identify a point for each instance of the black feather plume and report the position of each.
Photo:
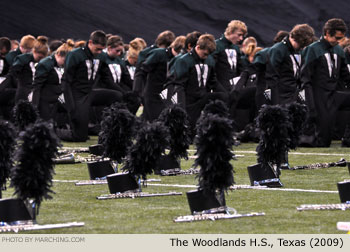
(216, 107)
(24, 114)
(214, 142)
(297, 115)
(274, 126)
(117, 130)
(150, 144)
(32, 176)
(7, 147)
(176, 120)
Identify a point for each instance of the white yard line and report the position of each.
(238, 187)
(295, 153)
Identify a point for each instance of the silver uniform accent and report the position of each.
(330, 63)
(295, 64)
(59, 71)
(131, 70)
(231, 57)
(32, 66)
(302, 95)
(164, 94)
(174, 99)
(92, 67)
(1, 65)
(202, 73)
(116, 72)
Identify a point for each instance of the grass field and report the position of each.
(155, 215)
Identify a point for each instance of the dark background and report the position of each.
(136, 18)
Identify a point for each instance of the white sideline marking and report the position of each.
(232, 187)
(296, 153)
(250, 187)
(75, 181)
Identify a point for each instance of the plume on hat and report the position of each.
(274, 126)
(217, 107)
(117, 130)
(297, 115)
(32, 175)
(151, 141)
(176, 120)
(7, 147)
(214, 142)
(24, 114)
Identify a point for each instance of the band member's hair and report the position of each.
(115, 41)
(207, 42)
(178, 44)
(165, 38)
(65, 48)
(236, 25)
(333, 25)
(302, 34)
(27, 42)
(98, 38)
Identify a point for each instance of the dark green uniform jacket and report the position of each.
(47, 80)
(283, 72)
(154, 70)
(228, 62)
(80, 73)
(114, 74)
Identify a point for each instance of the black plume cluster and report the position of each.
(117, 130)
(274, 125)
(216, 107)
(32, 175)
(297, 116)
(176, 120)
(214, 142)
(24, 114)
(151, 141)
(7, 147)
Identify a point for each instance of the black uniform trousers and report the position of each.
(327, 103)
(79, 117)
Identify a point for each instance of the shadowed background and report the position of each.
(147, 18)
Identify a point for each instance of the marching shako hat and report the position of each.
(344, 191)
(121, 182)
(100, 169)
(14, 210)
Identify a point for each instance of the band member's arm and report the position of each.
(41, 75)
(307, 70)
(274, 60)
(67, 81)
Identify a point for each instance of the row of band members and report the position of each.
(188, 70)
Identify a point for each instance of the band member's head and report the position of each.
(5, 46)
(178, 45)
(135, 46)
(205, 46)
(334, 30)
(303, 35)
(165, 39)
(40, 49)
(279, 36)
(115, 46)
(27, 43)
(97, 42)
(236, 31)
(62, 52)
(191, 40)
